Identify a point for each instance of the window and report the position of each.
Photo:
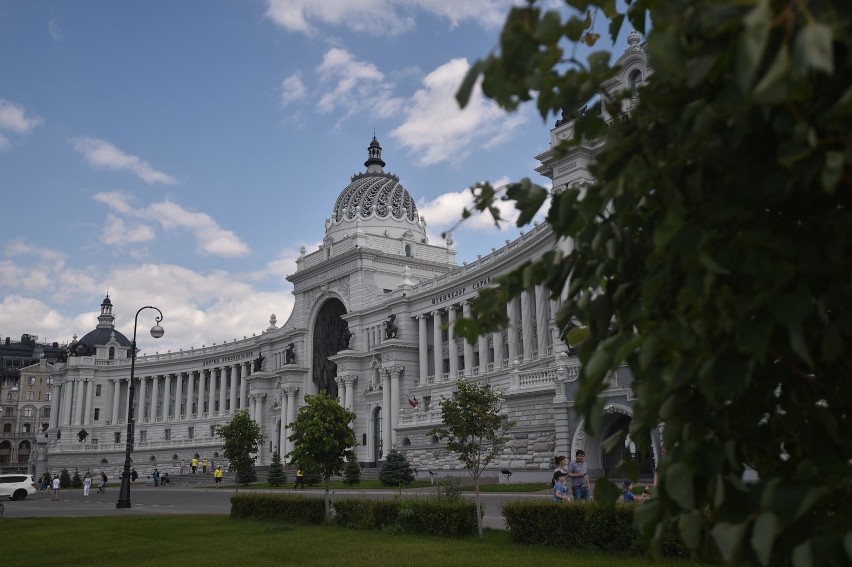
(10, 412)
(111, 353)
(635, 79)
(143, 435)
(167, 434)
(190, 432)
(408, 250)
(212, 431)
(32, 380)
(26, 427)
(29, 412)
(30, 396)
(97, 413)
(117, 436)
(49, 396)
(98, 390)
(45, 411)
(7, 428)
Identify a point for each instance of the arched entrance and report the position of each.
(5, 452)
(329, 330)
(616, 418)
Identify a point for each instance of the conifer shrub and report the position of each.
(64, 479)
(351, 473)
(396, 470)
(276, 475)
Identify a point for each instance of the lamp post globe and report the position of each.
(156, 332)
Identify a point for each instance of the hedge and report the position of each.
(296, 509)
(422, 516)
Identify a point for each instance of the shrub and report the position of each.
(396, 470)
(279, 507)
(276, 475)
(426, 516)
(449, 490)
(76, 480)
(351, 473)
(64, 478)
(248, 476)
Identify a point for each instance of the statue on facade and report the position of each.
(258, 362)
(63, 354)
(82, 434)
(345, 337)
(290, 354)
(391, 329)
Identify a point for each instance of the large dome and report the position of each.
(379, 194)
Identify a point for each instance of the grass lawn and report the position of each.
(219, 540)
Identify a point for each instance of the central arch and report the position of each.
(329, 327)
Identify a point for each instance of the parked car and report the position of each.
(17, 486)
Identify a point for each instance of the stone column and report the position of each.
(80, 387)
(232, 407)
(340, 391)
(395, 373)
(116, 397)
(291, 410)
(202, 382)
(387, 442)
(127, 402)
(526, 324)
(423, 344)
(90, 393)
(497, 339)
(143, 386)
(167, 395)
(282, 440)
(262, 445)
(350, 391)
(512, 308)
(452, 348)
(483, 354)
(190, 393)
(155, 397)
(54, 405)
(542, 326)
(223, 389)
(67, 393)
(211, 393)
(561, 408)
(179, 395)
(437, 352)
(468, 346)
(244, 384)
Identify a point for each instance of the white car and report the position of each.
(16, 486)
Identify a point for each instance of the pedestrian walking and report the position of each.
(193, 464)
(217, 475)
(300, 478)
(133, 476)
(204, 466)
(87, 484)
(102, 484)
(55, 488)
(156, 477)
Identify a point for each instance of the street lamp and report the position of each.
(156, 332)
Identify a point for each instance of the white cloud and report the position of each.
(5, 144)
(103, 155)
(118, 233)
(13, 117)
(437, 130)
(210, 237)
(381, 17)
(53, 28)
(354, 86)
(292, 89)
(445, 210)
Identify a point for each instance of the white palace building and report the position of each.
(372, 325)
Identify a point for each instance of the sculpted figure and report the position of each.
(391, 329)
(290, 354)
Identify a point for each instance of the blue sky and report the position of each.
(179, 153)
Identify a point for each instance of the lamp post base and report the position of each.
(124, 492)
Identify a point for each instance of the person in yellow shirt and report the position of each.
(204, 465)
(193, 464)
(217, 474)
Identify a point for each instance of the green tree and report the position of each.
(396, 470)
(64, 478)
(711, 255)
(76, 480)
(475, 429)
(322, 437)
(242, 439)
(247, 475)
(276, 475)
(351, 472)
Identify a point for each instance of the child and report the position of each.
(560, 488)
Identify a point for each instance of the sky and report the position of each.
(178, 154)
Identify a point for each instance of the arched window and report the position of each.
(408, 250)
(635, 80)
(112, 353)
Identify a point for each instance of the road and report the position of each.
(173, 500)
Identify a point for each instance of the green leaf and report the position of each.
(752, 43)
(528, 199)
(577, 335)
(812, 49)
(763, 536)
(728, 538)
(615, 26)
(832, 171)
(689, 526)
(549, 27)
(597, 365)
(774, 86)
(678, 483)
(803, 555)
(708, 262)
(463, 94)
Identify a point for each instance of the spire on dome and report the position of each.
(374, 163)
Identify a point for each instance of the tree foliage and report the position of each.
(275, 474)
(242, 439)
(396, 470)
(322, 438)
(475, 429)
(712, 255)
(64, 479)
(351, 472)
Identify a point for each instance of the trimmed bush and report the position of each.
(396, 470)
(284, 508)
(425, 516)
(351, 472)
(275, 474)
